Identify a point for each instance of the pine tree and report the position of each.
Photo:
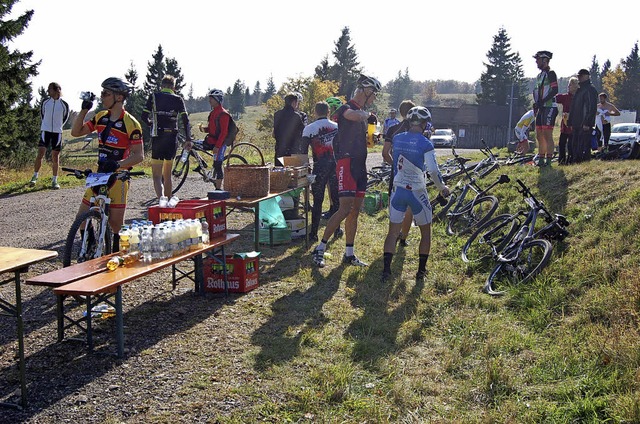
(270, 90)
(596, 77)
(323, 70)
(236, 98)
(400, 88)
(345, 70)
(257, 94)
(172, 68)
(504, 69)
(136, 102)
(155, 72)
(628, 91)
(19, 120)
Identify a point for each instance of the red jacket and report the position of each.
(565, 100)
(215, 136)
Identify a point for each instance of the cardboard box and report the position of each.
(297, 228)
(295, 160)
(213, 210)
(242, 273)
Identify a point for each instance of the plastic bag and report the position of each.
(271, 214)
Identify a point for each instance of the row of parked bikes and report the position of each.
(517, 246)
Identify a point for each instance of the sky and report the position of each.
(80, 43)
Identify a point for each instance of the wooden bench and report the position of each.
(92, 281)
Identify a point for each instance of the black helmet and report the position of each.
(117, 85)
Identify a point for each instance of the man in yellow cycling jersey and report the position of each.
(120, 145)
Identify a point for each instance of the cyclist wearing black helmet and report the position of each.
(350, 151)
(120, 145)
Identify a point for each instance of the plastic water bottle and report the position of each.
(124, 239)
(185, 156)
(115, 262)
(198, 225)
(134, 240)
(158, 239)
(205, 230)
(145, 244)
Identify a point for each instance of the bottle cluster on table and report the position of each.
(148, 242)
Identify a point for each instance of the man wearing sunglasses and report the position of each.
(120, 145)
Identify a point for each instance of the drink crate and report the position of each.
(274, 236)
(242, 273)
(213, 210)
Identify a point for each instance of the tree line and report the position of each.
(500, 83)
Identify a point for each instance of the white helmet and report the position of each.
(218, 95)
(369, 82)
(419, 114)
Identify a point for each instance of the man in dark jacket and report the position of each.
(582, 117)
(287, 128)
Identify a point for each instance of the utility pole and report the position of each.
(511, 99)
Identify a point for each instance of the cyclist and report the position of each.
(522, 131)
(544, 106)
(303, 115)
(350, 151)
(390, 121)
(120, 146)
(161, 113)
(413, 154)
(54, 112)
(400, 127)
(334, 103)
(319, 135)
(217, 129)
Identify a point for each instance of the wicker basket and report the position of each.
(280, 179)
(247, 180)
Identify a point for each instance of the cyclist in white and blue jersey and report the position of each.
(413, 154)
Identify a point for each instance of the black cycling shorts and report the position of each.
(50, 139)
(164, 146)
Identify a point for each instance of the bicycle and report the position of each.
(379, 175)
(199, 153)
(464, 215)
(521, 251)
(90, 236)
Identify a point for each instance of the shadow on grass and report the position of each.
(553, 188)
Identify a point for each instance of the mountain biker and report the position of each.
(544, 106)
(413, 154)
(390, 121)
(350, 151)
(120, 146)
(216, 136)
(522, 129)
(161, 113)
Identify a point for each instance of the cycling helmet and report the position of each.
(298, 96)
(369, 82)
(218, 95)
(117, 85)
(419, 114)
(334, 103)
(393, 111)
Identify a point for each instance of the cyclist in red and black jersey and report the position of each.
(217, 129)
(120, 145)
(350, 151)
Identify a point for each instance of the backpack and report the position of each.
(232, 130)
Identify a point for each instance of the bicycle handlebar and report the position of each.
(79, 174)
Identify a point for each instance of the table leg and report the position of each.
(119, 323)
(198, 269)
(224, 272)
(256, 227)
(21, 365)
(89, 325)
(306, 216)
(60, 316)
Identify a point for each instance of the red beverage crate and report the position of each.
(242, 274)
(213, 210)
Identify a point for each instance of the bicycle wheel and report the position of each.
(530, 262)
(77, 249)
(471, 215)
(179, 172)
(490, 237)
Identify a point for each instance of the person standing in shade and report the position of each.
(319, 135)
(413, 154)
(544, 106)
(582, 118)
(564, 99)
(288, 125)
(398, 128)
(162, 112)
(54, 112)
(603, 120)
(350, 151)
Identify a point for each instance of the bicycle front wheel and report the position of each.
(535, 255)
(472, 215)
(83, 241)
(179, 172)
(490, 237)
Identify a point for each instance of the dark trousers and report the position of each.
(325, 172)
(564, 148)
(580, 145)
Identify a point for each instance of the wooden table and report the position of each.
(254, 202)
(17, 260)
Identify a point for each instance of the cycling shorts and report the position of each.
(117, 193)
(164, 146)
(352, 177)
(51, 139)
(546, 118)
(417, 200)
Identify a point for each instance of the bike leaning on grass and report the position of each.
(90, 235)
(203, 159)
(520, 251)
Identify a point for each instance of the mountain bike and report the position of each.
(464, 215)
(379, 175)
(203, 158)
(520, 251)
(90, 236)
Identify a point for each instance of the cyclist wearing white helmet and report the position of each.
(120, 145)
(390, 121)
(413, 154)
(217, 129)
(350, 151)
(288, 125)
